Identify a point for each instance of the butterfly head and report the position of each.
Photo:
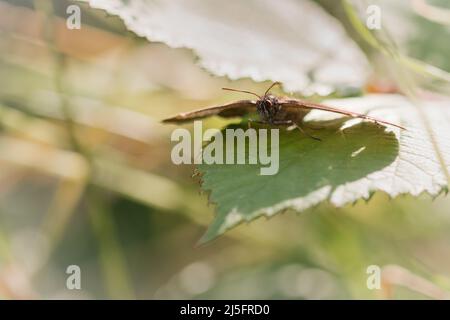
(267, 107)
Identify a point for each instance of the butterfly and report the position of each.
(272, 110)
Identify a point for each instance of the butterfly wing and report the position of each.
(234, 109)
(291, 104)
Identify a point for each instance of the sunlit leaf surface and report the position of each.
(238, 39)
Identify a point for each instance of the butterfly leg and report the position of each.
(306, 133)
(292, 125)
(299, 127)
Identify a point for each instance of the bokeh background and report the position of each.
(86, 179)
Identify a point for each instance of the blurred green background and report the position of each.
(86, 179)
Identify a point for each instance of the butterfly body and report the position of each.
(271, 109)
(268, 108)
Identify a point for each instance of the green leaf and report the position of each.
(350, 163)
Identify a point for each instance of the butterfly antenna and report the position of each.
(230, 89)
(273, 85)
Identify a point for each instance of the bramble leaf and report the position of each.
(235, 39)
(347, 165)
